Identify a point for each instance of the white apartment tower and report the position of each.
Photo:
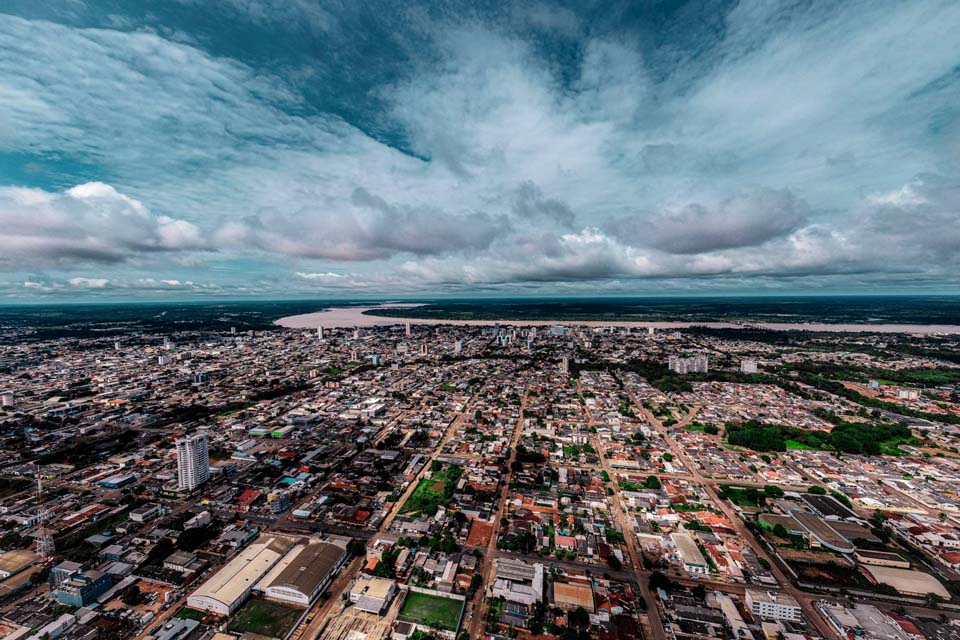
(193, 462)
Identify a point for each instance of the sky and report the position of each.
(273, 148)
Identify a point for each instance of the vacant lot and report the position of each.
(432, 611)
(265, 618)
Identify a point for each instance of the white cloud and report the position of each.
(89, 222)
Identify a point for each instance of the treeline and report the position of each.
(837, 388)
(846, 437)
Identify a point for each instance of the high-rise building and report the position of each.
(696, 364)
(193, 462)
(748, 366)
(565, 364)
(6, 400)
(458, 347)
(320, 333)
(408, 330)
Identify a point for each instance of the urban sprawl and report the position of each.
(465, 482)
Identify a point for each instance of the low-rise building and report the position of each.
(769, 605)
(372, 594)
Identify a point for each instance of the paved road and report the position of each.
(479, 608)
(322, 611)
(806, 600)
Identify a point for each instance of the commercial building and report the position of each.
(147, 512)
(769, 605)
(228, 588)
(690, 556)
(304, 573)
(881, 558)
(907, 581)
(13, 562)
(861, 621)
(372, 594)
(193, 462)
(573, 595)
(821, 534)
(71, 585)
(517, 581)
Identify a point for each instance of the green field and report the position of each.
(433, 492)
(265, 618)
(432, 611)
(796, 444)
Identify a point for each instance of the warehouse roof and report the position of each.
(908, 581)
(308, 566)
(237, 576)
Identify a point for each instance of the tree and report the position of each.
(773, 491)
(817, 490)
(578, 618)
(652, 482)
(614, 562)
(780, 531)
(131, 596)
(660, 581)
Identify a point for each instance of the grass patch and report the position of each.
(433, 492)
(265, 618)
(190, 614)
(796, 444)
(432, 611)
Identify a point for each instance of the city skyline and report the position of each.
(292, 149)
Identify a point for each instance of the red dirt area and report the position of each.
(480, 533)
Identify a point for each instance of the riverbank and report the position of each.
(347, 317)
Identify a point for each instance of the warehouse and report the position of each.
(304, 573)
(907, 581)
(821, 533)
(13, 562)
(689, 553)
(227, 589)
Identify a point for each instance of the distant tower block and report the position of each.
(458, 347)
(116, 346)
(233, 331)
(356, 334)
(6, 400)
(320, 333)
(565, 364)
(408, 330)
(748, 366)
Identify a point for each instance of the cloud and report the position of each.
(89, 283)
(366, 228)
(90, 222)
(747, 219)
(529, 203)
(512, 145)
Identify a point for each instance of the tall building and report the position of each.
(193, 462)
(748, 366)
(408, 330)
(320, 333)
(696, 364)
